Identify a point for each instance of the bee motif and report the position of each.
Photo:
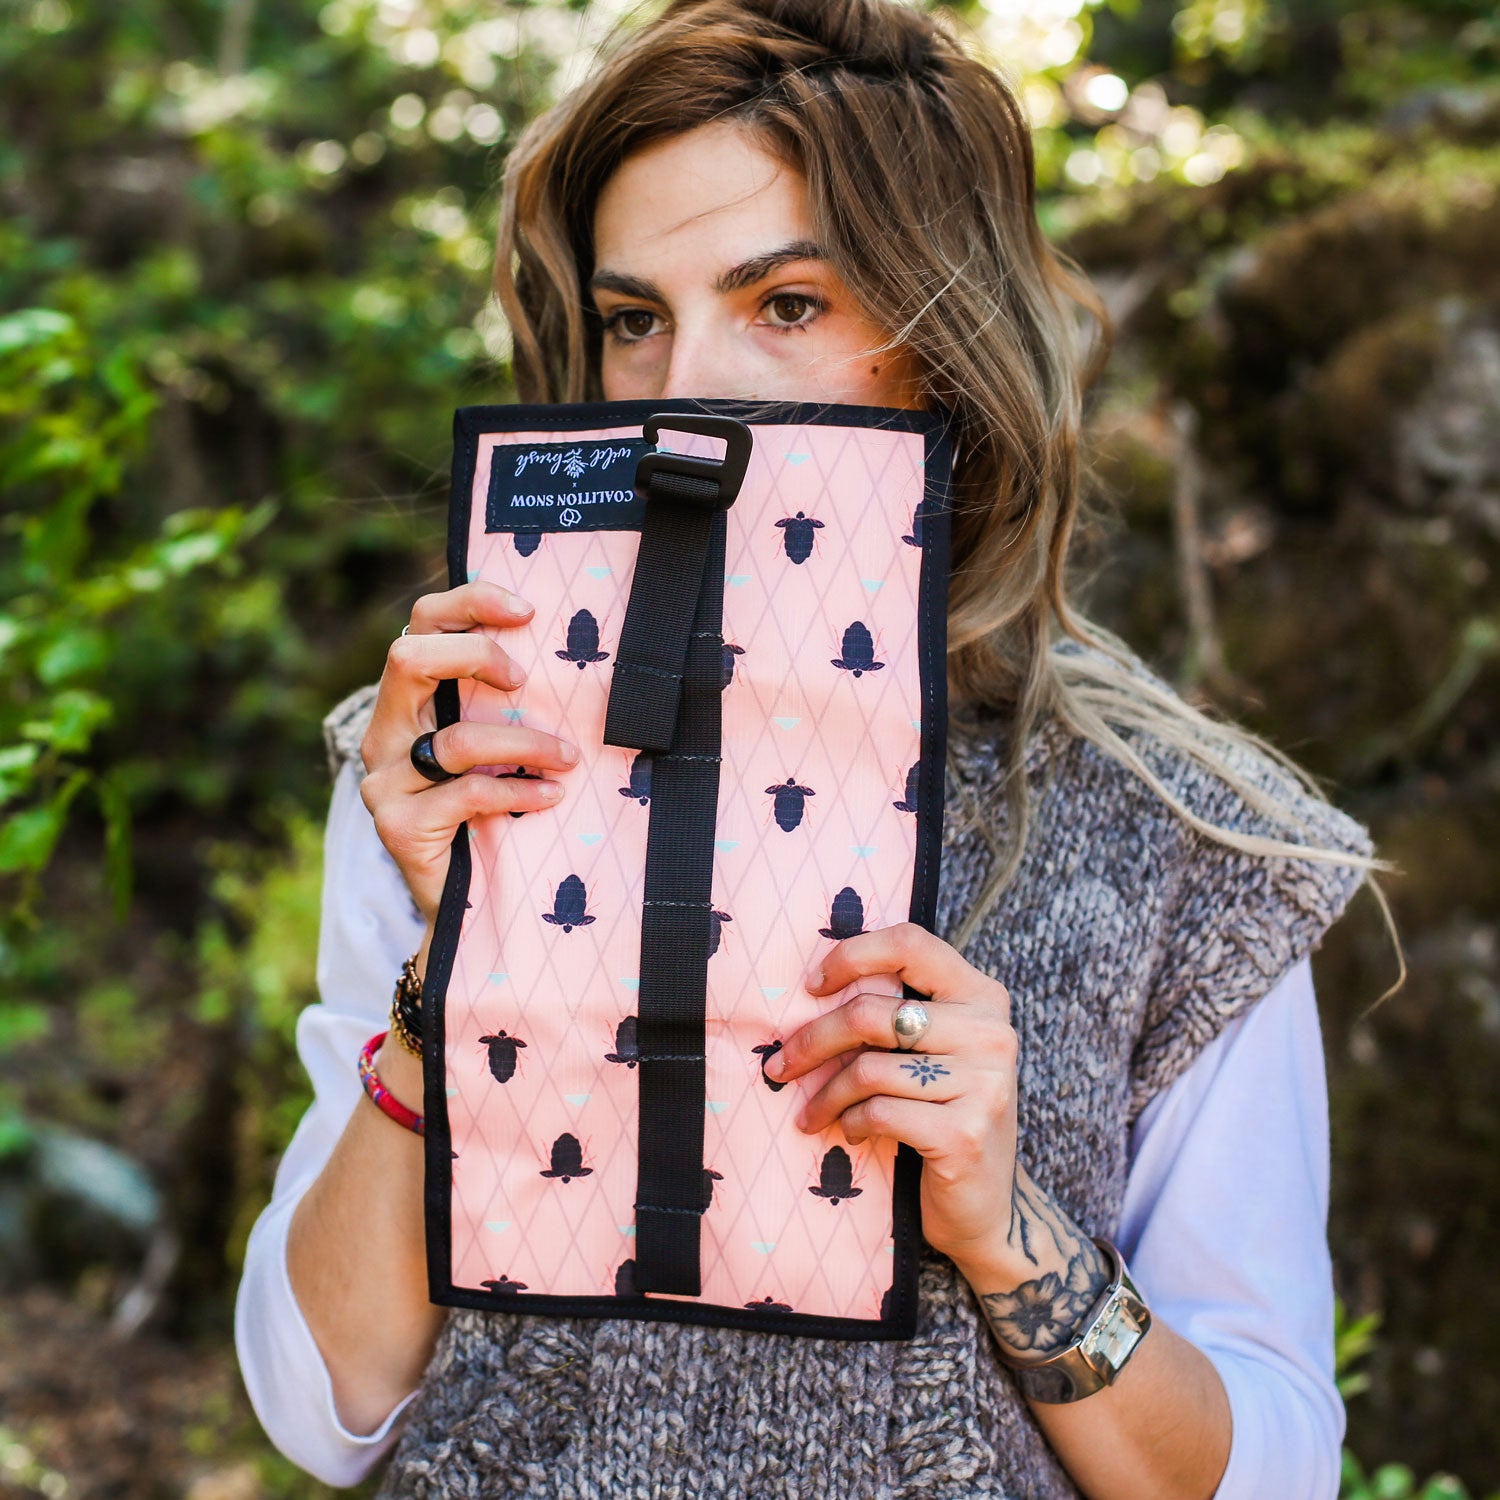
(715, 919)
(909, 802)
(798, 534)
(919, 516)
(568, 905)
(526, 541)
(730, 652)
(567, 1159)
(858, 650)
(583, 640)
(767, 1051)
(846, 918)
(640, 779)
(505, 1286)
(503, 1055)
(709, 1178)
(626, 1049)
(768, 1304)
(791, 802)
(836, 1177)
(521, 774)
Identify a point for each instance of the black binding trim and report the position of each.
(900, 1321)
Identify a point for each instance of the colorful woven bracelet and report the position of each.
(382, 1096)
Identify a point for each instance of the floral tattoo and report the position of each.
(1042, 1315)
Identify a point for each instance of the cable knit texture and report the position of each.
(1127, 941)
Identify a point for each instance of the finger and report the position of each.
(905, 1076)
(469, 604)
(907, 950)
(472, 744)
(863, 1022)
(409, 824)
(925, 1125)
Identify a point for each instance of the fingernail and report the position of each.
(551, 790)
(517, 603)
(569, 753)
(775, 1063)
(814, 978)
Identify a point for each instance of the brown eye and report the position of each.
(795, 306)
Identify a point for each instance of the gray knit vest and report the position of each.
(1127, 941)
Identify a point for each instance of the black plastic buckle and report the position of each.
(728, 473)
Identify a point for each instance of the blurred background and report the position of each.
(244, 252)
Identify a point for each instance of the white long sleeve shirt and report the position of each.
(1224, 1223)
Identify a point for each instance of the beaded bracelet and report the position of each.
(388, 1102)
(406, 1008)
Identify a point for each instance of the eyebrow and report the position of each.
(735, 279)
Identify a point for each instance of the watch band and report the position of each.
(1102, 1348)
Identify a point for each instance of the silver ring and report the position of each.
(910, 1022)
(405, 628)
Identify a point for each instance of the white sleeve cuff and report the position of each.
(1287, 1433)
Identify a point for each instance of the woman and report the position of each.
(829, 200)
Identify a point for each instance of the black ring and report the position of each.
(425, 761)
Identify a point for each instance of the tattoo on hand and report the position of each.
(922, 1070)
(1042, 1315)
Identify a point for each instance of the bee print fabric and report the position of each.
(832, 719)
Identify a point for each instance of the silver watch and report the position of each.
(1102, 1348)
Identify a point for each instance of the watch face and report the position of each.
(1118, 1332)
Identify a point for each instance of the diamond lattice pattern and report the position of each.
(563, 990)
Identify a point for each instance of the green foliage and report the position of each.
(256, 963)
(1354, 1340)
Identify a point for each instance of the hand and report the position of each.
(952, 1098)
(416, 818)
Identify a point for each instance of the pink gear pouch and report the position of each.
(740, 619)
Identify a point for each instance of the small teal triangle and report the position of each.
(498, 1226)
(726, 844)
(513, 714)
(890, 1249)
(576, 1099)
(771, 991)
(787, 723)
(718, 1106)
(916, 723)
(590, 838)
(450, 1092)
(473, 574)
(736, 578)
(626, 1229)
(630, 984)
(764, 1246)
(864, 850)
(473, 834)
(798, 458)
(598, 572)
(872, 583)
(499, 978)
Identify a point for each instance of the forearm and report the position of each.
(356, 1252)
(1162, 1430)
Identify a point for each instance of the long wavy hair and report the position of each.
(919, 170)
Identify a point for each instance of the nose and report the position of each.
(702, 363)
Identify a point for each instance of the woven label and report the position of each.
(580, 485)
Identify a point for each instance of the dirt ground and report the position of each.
(83, 1417)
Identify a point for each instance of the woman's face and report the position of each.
(709, 284)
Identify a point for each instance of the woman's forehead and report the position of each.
(712, 197)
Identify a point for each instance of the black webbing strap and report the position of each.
(665, 696)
